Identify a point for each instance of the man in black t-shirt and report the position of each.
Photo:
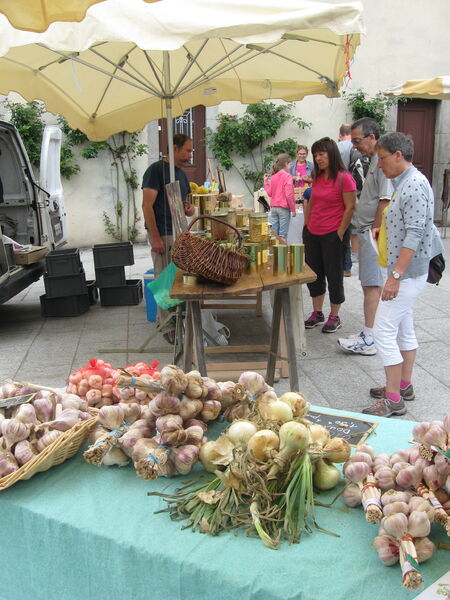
(157, 215)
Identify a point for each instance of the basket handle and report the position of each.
(239, 238)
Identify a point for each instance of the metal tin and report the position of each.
(251, 250)
(296, 258)
(258, 227)
(190, 279)
(280, 255)
(241, 219)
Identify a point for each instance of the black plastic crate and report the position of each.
(65, 285)
(107, 277)
(124, 295)
(92, 291)
(70, 306)
(63, 262)
(113, 255)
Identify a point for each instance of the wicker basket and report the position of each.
(201, 257)
(60, 450)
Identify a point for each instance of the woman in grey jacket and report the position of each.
(411, 241)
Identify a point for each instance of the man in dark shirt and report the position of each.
(157, 215)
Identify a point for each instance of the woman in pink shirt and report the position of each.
(280, 188)
(327, 217)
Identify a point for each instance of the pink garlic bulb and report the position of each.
(173, 380)
(367, 449)
(190, 408)
(44, 408)
(396, 507)
(26, 413)
(194, 435)
(419, 431)
(395, 525)
(394, 496)
(14, 431)
(442, 465)
(387, 549)
(361, 457)
(424, 548)
(432, 478)
(184, 458)
(172, 434)
(352, 495)
(160, 421)
(213, 390)
(240, 410)
(436, 435)
(163, 404)
(211, 410)
(399, 456)
(356, 472)
(111, 417)
(418, 524)
(227, 393)
(385, 478)
(23, 452)
(381, 460)
(419, 503)
(197, 422)
(195, 387)
(408, 477)
(253, 382)
(414, 454)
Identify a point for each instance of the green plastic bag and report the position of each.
(160, 287)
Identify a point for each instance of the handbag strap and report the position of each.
(239, 238)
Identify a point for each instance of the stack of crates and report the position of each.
(67, 293)
(110, 261)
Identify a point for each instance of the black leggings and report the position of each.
(324, 254)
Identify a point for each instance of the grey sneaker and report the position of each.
(406, 394)
(332, 325)
(384, 407)
(315, 318)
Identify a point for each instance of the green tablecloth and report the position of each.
(78, 532)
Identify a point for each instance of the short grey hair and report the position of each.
(391, 142)
(367, 126)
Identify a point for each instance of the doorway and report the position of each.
(191, 123)
(417, 118)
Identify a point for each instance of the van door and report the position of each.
(51, 206)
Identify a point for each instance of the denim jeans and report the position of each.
(279, 219)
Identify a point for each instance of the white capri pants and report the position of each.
(393, 330)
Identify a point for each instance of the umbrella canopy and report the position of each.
(37, 15)
(130, 62)
(437, 88)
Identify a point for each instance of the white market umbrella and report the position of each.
(437, 88)
(37, 15)
(130, 62)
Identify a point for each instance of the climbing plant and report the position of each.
(252, 136)
(123, 148)
(377, 107)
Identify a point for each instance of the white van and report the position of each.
(30, 213)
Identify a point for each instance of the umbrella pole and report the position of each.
(166, 75)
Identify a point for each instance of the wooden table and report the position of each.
(249, 283)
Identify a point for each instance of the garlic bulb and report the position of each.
(396, 507)
(394, 496)
(227, 393)
(387, 549)
(47, 439)
(241, 431)
(111, 417)
(14, 431)
(240, 410)
(361, 457)
(8, 463)
(115, 457)
(173, 380)
(385, 478)
(23, 452)
(352, 495)
(194, 435)
(399, 456)
(184, 458)
(164, 404)
(190, 407)
(264, 444)
(253, 382)
(408, 477)
(197, 422)
(381, 460)
(432, 478)
(442, 465)
(26, 413)
(424, 548)
(194, 388)
(326, 476)
(418, 524)
(356, 472)
(395, 525)
(211, 410)
(160, 421)
(129, 439)
(213, 391)
(367, 449)
(173, 434)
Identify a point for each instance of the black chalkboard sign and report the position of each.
(16, 400)
(352, 429)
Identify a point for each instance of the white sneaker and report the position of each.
(359, 344)
(355, 257)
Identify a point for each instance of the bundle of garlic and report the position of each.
(434, 437)
(28, 428)
(114, 421)
(132, 394)
(95, 383)
(358, 470)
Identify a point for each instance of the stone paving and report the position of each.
(45, 351)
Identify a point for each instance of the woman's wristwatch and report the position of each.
(396, 275)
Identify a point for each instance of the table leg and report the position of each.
(188, 339)
(274, 337)
(179, 338)
(289, 329)
(198, 337)
(298, 318)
